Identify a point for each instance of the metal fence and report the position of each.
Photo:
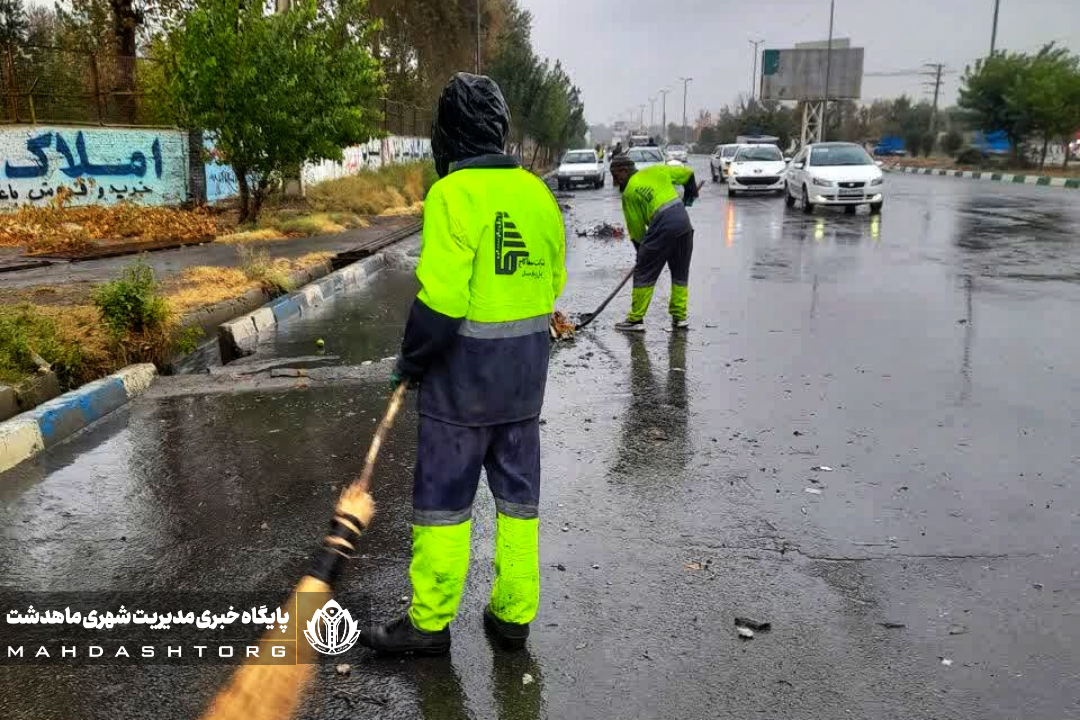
(402, 119)
(50, 84)
(53, 85)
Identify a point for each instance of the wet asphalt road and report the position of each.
(927, 356)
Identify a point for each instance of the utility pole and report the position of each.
(664, 94)
(993, 30)
(936, 72)
(685, 130)
(753, 77)
(478, 68)
(828, 73)
(652, 114)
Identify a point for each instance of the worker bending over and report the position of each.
(662, 234)
(492, 263)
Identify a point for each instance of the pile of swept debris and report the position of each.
(603, 230)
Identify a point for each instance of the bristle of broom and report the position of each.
(269, 692)
(357, 502)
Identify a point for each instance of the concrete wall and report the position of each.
(152, 167)
(370, 156)
(99, 165)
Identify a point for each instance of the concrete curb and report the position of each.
(26, 435)
(1073, 183)
(240, 336)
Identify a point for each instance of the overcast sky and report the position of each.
(621, 52)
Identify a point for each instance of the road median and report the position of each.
(1004, 177)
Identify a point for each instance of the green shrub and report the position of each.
(132, 303)
(952, 142)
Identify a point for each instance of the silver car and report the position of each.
(720, 161)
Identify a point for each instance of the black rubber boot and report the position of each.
(400, 636)
(511, 636)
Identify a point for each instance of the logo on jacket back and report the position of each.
(509, 246)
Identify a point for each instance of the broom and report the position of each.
(274, 692)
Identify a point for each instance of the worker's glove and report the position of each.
(689, 202)
(396, 378)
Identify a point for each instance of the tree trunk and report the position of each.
(245, 191)
(1042, 157)
(257, 200)
(1065, 162)
(536, 149)
(126, 20)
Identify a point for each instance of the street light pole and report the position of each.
(753, 78)
(664, 94)
(652, 114)
(685, 84)
(993, 30)
(828, 73)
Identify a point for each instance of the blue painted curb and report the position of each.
(27, 434)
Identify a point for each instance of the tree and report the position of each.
(952, 142)
(14, 25)
(990, 89)
(1049, 96)
(265, 85)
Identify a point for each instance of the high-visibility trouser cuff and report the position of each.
(440, 562)
(680, 296)
(515, 596)
(639, 302)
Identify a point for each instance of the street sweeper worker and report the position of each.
(492, 264)
(660, 228)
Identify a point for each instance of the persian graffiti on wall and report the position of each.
(92, 166)
(369, 156)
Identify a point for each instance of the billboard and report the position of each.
(799, 74)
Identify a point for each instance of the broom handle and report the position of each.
(380, 434)
(609, 298)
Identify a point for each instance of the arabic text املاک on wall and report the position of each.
(99, 166)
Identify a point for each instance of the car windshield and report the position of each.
(831, 155)
(579, 157)
(759, 153)
(729, 151)
(645, 155)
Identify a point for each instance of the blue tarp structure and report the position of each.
(992, 143)
(890, 145)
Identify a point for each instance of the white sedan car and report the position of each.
(645, 156)
(756, 169)
(835, 173)
(677, 153)
(581, 167)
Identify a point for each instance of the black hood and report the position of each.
(472, 119)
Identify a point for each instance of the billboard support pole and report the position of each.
(812, 120)
(828, 72)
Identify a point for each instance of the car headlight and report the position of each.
(820, 182)
(877, 181)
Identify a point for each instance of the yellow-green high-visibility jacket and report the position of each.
(492, 263)
(652, 190)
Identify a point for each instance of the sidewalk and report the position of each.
(78, 278)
